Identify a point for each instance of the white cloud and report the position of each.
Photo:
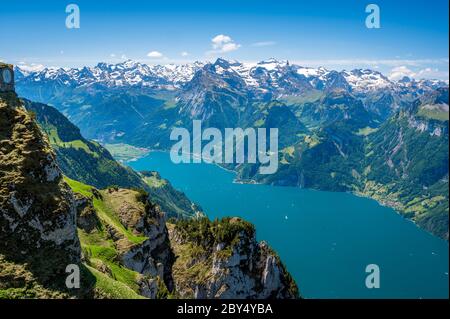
(369, 62)
(426, 73)
(432, 68)
(112, 55)
(220, 40)
(228, 47)
(184, 54)
(432, 73)
(263, 44)
(399, 72)
(33, 67)
(155, 54)
(124, 57)
(223, 44)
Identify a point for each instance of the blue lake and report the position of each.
(325, 239)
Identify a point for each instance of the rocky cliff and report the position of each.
(222, 259)
(124, 237)
(37, 208)
(127, 238)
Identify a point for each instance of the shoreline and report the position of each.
(354, 193)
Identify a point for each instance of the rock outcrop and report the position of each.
(123, 232)
(153, 257)
(177, 258)
(37, 208)
(223, 260)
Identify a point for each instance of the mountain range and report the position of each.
(270, 75)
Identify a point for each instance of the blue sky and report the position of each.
(412, 40)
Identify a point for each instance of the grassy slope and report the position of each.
(406, 169)
(170, 199)
(78, 157)
(100, 251)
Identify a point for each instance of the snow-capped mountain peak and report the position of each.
(366, 80)
(268, 75)
(272, 64)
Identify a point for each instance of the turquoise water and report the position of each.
(325, 239)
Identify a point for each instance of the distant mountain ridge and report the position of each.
(261, 76)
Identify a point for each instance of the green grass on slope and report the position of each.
(99, 255)
(100, 252)
(434, 114)
(78, 187)
(104, 211)
(55, 140)
(113, 288)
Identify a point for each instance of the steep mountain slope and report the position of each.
(173, 202)
(215, 95)
(89, 162)
(326, 159)
(407, 162)
(37, 209)
(334, 106)
(79, 158)
(277, 115)
(124, 237)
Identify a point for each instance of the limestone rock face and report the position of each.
(37, 208)
(152, 257)
(87, 218)
(233, 266)
(252, 271)
(148, 287)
